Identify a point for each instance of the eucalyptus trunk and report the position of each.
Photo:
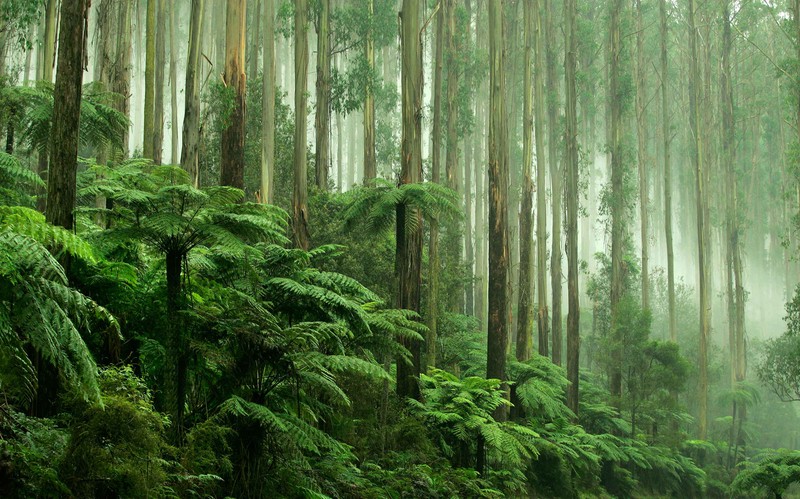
(158, 101)
(434, 264)
(540, 108)
(557, 189)
(61, 185)
(641, 134)
(370, 165)
(665, 133)
(300, 195)
(702, 229)
(191, 113)
(497, 334)
(268, 106)
(409, 236)
(232, 161)
(572, 192)
(524, 304)
(322, 118)
(149, 79)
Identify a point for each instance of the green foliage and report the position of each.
(779, 368)
(117, 447)
(40, 312)
(773, 470)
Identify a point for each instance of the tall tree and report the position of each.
(173, 85)
(268, 106)
(667, 139)
(451, 161)
(370, 165)
(322, 118)
(47, 55)
(232, 161)
(524, 304)
(571, 167)
(436, 176)
(641, 135)
(149, 79)
(66, 113)
(702, 229)
(409, 220)
(617, 200)
(497, 334)
(557, 189)
(191, 113)
(300, 197)
(158, 100)
(540, 107)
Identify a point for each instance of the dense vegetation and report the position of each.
(269, 318)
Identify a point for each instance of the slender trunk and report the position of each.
(617, 199)
(665, 131)
(571, 166)
(557, 190)
(409, 240)
(255, 41)
(158, 101)
(540, 108)
(497, 335)
(232, 161)
(66, 113)
(173, 80)
(149, 79)
(191, 113)
(451, 161)
(469, 153)
(436, 176)
(48, 62)
(641, 134)
(370, 166)
(300, 197)
(268, 106)
(322, 118)
(702, 231)
(524, 311)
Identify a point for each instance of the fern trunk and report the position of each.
(176, 368)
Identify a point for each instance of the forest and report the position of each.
(399, 248)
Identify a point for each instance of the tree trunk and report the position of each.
(370, 166)
(175, 377)
(641, 134)
(665, 131)
(149, 80)
(557, 190)
(255, 41)
(48, 62)
(323, 114)
(469, 153)
(436, 176)
(497, 335)
(173, 80)
(702, 230)
(540, 107)
(66, 114)
(268, 106)
(451, 161)
(617, 199)
(409, 240)
(524, 310)
(300, 197)
(232, 162)
(571, 166)
(161, 60)
(191, 114)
